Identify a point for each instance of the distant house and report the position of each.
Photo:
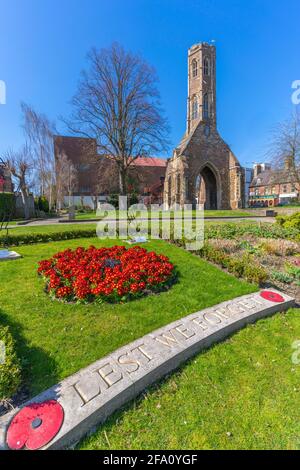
(271, 187)
(97, 175)
(6, 185)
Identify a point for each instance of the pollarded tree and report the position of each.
(20, 166)
(118, 104)
(66, 179)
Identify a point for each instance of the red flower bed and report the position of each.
(111, 274)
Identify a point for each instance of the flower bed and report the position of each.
(106, 274)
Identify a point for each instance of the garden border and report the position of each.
(89, 397)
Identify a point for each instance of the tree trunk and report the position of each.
(122, 181)
(95, 202)
(25, 203)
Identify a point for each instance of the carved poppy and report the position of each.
(35, 425)
(272, 296)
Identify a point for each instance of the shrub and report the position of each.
(10, 370)
(228, 246)
(41, 203)
(244, 266)
(282, 277)
(289, 221)
(279, 247)
(235, 231)
(7, 205)
(132, 199)
(32, 238)
(293, 270)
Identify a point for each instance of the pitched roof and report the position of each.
(150, 161)
(274, 177)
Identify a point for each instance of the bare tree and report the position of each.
(39, 131)
(118, 104)
(66, 179)
(20, 166)
(285, 147)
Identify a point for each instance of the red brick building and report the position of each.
(97, 175)
(273, 187)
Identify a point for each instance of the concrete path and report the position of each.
(58, 221)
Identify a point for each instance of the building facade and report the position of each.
(203, 169)
(97, 175)
(273, 187)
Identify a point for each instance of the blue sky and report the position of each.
(43, 47)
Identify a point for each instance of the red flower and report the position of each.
(107, 273)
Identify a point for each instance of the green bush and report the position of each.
(282, 277)
(32, 238)
(41, 203)
(289, 222)
(114, 199)
(7, 206)
(10, 370)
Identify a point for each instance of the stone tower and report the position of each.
(201, 86)
(203, 169)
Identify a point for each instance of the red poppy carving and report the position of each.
(272, 296)
(35, 425)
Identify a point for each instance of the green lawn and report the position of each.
(146, 214)
(240, 394)
(55, 340)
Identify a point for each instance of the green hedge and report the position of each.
(7, 205)
(32, 238)
(10, 369)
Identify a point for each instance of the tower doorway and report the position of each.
(207, 189)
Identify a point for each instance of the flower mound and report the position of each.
(106, 274)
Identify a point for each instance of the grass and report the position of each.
(240, 394)
(55, 340)
(172, 214)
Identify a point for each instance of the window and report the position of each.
(284, 190)
(195, 108)
(205, 107)
(195, 68)
(206, 67)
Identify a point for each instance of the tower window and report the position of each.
(195, 108)
(205, 107)
(206, 67)
(195, 68)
